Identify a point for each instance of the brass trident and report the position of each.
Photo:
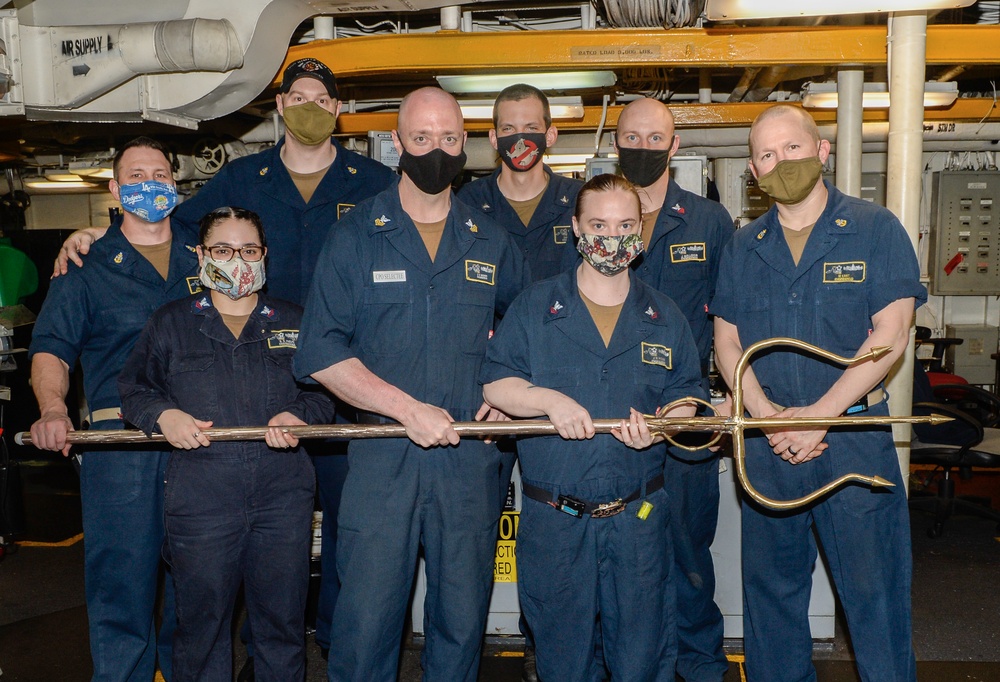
(665, 426)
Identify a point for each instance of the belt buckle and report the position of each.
(607, 509)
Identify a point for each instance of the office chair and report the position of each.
(972, 440)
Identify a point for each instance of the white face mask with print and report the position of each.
(235, 278)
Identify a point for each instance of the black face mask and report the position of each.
(521, 151)
(643, 167)
(432, 172)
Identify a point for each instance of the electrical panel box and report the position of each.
(872, 186)
(754, 203)
(972, 359)
(965, 233)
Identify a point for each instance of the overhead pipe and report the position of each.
(907, 34)
(451, 18)
(850, 122)
(181, 46)
(323, 28)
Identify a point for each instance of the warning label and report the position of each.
(505, 565)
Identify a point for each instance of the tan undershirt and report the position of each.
(431, 234)
(796, 240)
(307, 183)
(648, 224)
(526, 209)
(158, 256)
(605, 317)
(235, 323)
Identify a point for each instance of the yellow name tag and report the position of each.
(852, 272)
(484, 273)
(656, 354)
(687, 253)
(560, 234)
(283, 338)
(194, 284)
(343, 209)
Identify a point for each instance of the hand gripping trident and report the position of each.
(664, 426)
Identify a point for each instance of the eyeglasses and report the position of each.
(250, 254)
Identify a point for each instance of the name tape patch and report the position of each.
(852, 272)
(657, 354)
(283, 338)
(687, 253)
(484, 273)
(560, 234)
(388, 276)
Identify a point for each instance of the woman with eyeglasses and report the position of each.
(235, 512)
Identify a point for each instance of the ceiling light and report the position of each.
(494, 83)
(722, 10)
(560, 107)
(876, 95)
(40, 183)
(62, 176)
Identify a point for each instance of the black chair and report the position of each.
(935, 363)
(971, 441)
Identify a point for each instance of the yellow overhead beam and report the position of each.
(448, 52)
(697, 116)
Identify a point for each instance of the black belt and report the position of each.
(598, 510)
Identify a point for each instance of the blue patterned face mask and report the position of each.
(150, 201)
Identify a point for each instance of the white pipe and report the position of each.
(451, 18)
(323, 28)
(179, 46)
(907, 66)
(850, 119)
(705, 86)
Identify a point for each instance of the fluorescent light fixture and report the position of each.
(95, 173)
(876, 95)
(62, 176)
(56, 185)
(494, 83)
(723, 10)
(561, 108)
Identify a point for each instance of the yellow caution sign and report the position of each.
(505, 564)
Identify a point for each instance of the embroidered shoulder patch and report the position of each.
(560, 234)
(283, 338)
(851, 272)
(657, 354)
(687, 253)
(484, 273)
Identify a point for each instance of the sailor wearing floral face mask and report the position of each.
(234, 512)
(594, 529)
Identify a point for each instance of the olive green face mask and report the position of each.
(791, 180)
(309, 123)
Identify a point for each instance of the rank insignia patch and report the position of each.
(564, 200)
(760, 235)
(560, 234)
(283, 338)
(687, 253)
(352, 171)
(852, 272)
(263, 171)
(119, 258)
(381, 222)
(678, 208)
(267, 312)
(652, 313)
(486, 206)
(202, 303)
(840, 222)
(556, 307)
(472, 226)
(656, 354)
(484, 273)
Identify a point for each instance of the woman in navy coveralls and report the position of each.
(577, 563)
(235, 512)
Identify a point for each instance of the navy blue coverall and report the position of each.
(682, 261)
(572, 569)
(234, 512)
(421, 326)
(95, 314)
(857, 261)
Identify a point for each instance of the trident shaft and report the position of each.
(734, 425)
